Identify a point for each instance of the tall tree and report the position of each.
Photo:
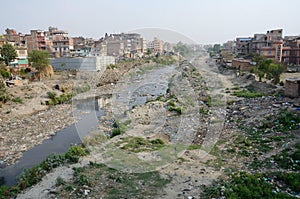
(8, 53)
(39, 59)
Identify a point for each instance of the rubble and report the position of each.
(18, 134)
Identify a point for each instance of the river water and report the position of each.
(57, 144)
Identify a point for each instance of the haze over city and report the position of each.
(204, 22)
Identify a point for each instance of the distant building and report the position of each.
(124, 44)
(36, 40)
(21, 60)
(243, 45)
(62, 44)
(294, 44)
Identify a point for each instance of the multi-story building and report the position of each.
(258, 41)
(229, 45)
(36, 40)
(62, 44)
(124, 44)
(12, 37)
(294, 54)
(158, 45)
(243, 45)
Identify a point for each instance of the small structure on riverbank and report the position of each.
(82, 63)
(292, 87)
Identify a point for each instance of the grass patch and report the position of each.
(256, 186)
(112, 183)
(138, 144)
(17, 100)
(247, 94)
(194, 147)
(65, 98)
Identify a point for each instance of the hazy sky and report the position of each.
(209, 21)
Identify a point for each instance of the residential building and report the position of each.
(229, 45)
(258, 41)
(62, 44)
(158, 45)
(21, 60)
(294, 54)
(243, 45)
(35, 40)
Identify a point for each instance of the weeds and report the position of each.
(17, 100)
(258, 185)
(119, 128)
(138, 144)
(30, 177)
(112, 183)
(247, 94)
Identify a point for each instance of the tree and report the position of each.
(8, 53)
(182, 48)
(275, 70)
(39, 59)
(267, 68)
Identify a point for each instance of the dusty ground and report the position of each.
(187, 176)
(193, 168)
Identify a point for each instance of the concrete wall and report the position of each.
(292, 88)
(82, 63)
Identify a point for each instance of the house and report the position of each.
(242, 64)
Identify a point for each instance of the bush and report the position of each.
(74, 153)
(4, 97)
(4, 73)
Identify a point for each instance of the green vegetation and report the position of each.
(195, 146)
(163, 60)
(112, 66)
(204, 111)
(266, 68)
(17, 100)
(112, 183)
(30, 177)
(255, 186)
(59, 181)
(39, 59)
(119, 128)
(4, 96)
(138, 144)
(247, 94)
(172, 105)
(63, 98)
(4, 73)
(8, 53)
